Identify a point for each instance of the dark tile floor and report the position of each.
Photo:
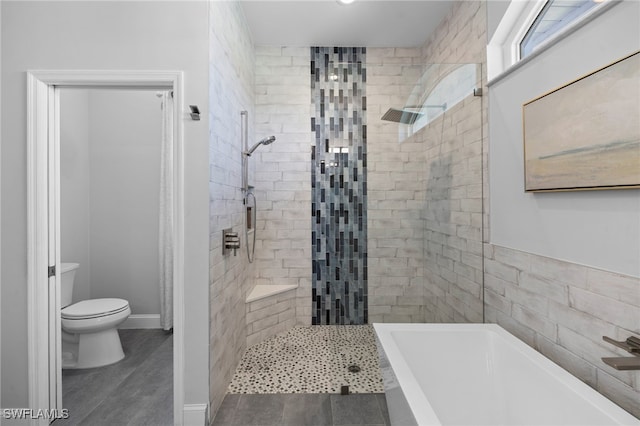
(302, 410)
(135, 391)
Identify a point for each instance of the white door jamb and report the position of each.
(42, 183)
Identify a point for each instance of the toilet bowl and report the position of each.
(89, 327)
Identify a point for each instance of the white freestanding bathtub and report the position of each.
(479, 374)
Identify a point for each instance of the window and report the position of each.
(528, 27)
(555, 15)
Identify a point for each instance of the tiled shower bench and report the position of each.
(270, 309)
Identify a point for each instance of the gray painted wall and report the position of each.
(102, 35)
(110, 171)
(495, 12)
(593, 228)
(75, 171)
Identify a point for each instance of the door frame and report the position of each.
(42, 208)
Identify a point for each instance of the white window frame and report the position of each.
(503, 50)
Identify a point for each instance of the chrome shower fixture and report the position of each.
(230, 241)
(409, 114)
(401, 116)
(265, 141)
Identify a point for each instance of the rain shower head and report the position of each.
(406, 116)
(401, 116)
(265, 141)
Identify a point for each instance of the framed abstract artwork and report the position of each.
(586, 134)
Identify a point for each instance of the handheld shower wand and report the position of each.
(251, 210)
(265, 141)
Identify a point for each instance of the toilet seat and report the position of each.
(94, 308)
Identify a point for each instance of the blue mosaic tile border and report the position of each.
(339, 185)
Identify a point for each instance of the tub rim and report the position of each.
(419, 404)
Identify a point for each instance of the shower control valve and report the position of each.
(230, 241)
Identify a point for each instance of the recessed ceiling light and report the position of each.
(345, 1)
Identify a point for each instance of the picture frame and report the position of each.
(585, 135)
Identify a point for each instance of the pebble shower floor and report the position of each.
(313, 359)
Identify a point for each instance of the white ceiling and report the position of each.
(370, 23)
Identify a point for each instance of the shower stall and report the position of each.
(425, 183)
(397, 190)
(371, 201)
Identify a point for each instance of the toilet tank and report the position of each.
(67, 275)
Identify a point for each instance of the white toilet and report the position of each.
(89, 327)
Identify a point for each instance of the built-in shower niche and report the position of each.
(249, 218)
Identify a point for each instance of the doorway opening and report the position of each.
(99, 194)
(113, 158)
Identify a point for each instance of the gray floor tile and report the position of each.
(382, 403)
(88, 392)
(138, 344)
(135, 391)
(307, 410)
(141, 395)
(356, 409)
(259, 410)
(302, 410)
(224, 416)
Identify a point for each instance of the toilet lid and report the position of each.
(93, 308)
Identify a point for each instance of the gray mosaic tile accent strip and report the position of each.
(313, 359)
(339, 185)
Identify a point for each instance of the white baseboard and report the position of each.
(142, 321)
(195, 415)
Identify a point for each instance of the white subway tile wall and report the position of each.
(231, 90)
(426, 192)
(395, 185)
(282, 176)
(563, 309)
(270, 316)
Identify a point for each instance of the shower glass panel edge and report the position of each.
(425, 203)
